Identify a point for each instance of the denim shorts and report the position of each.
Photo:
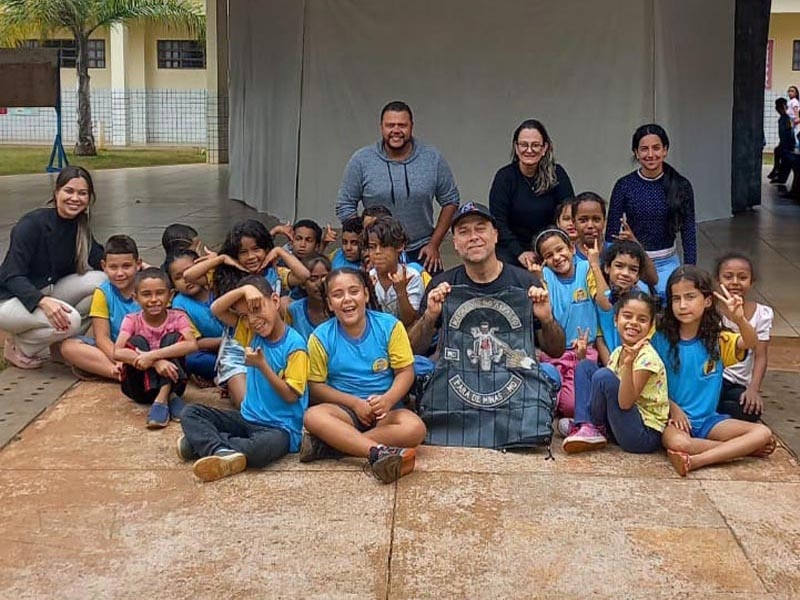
(85, 339)
(230, 360)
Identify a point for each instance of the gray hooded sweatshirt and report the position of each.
(407, 187)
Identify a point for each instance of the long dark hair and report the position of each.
(372, 301)
(545, 177)
(676, 186)
(83, 239)
(710, 322)
(227, 278)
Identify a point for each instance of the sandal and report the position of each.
(767, 449)
(18, 358)
(158, 417)
(84, 375)
(681, 461)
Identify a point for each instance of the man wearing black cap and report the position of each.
(475, 238)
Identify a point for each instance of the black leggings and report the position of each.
(143, 386)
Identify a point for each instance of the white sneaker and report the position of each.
(564, 426)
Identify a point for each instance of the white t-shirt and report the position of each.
(742, 372)
(793, 110)
(387, 298)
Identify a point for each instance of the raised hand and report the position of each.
(285, 229)
(629, 353)
(253, 298)
(253, 357)
(731, 305)
(582, 342)
(232, 262)
(436, 298)
(593, 253)
(541, 303)
(330, 235)
(527, 258)
(400, 279)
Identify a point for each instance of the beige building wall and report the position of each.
(784, 28)
(171, 79)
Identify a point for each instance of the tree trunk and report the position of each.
(84, 146)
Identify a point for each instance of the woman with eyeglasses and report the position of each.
(50, 272)
(526, 192)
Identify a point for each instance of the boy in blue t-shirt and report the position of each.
(93, 357)
(225, 442)
(349, 255)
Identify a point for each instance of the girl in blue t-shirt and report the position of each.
(572, 285)
(305, 314)
(361, 368)
(695, 347)
(195, 298)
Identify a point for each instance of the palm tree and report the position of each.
(21, 19)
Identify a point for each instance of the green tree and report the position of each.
(24, 19)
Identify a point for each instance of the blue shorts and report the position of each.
(702, 427)
(85, 339)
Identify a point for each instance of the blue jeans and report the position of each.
(202, 363)
(208, 429)
(597, 402)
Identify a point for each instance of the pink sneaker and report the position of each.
(19, 359)
(587, 437)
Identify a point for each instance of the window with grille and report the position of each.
(181, 54)
(796, 55)
(69, 52)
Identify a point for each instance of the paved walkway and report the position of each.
(95, 506)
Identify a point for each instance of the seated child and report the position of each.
(741, 382)
(573, 287)
(398, 289)
(564, 220)
(628, 399)
(695, 348)
(248, 249)
(152, 344)
(180, 237)
(349, 255)
(368, 217)
(306, 314)
(225, 442)
(306, 241)
(194, 298)
(91, 357)
(361, 369)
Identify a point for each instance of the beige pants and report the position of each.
(32, 331)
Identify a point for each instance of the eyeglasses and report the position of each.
(534, 146)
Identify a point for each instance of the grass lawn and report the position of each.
(15, 160)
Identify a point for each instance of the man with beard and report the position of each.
(403, 174)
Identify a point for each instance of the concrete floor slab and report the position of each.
(161, 534)
(765, 518)
(531, 536)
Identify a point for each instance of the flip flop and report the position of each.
(767, 449)
(681, 461)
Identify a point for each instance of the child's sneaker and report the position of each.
(388, 464)
(176, 406)
(564, 427)
(184, 449)
(158, 417)
(312, 448)
(222, 463)
(587, 437)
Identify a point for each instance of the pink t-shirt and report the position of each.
(176, 322)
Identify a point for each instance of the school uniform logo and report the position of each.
(709, 367)
(380, 365)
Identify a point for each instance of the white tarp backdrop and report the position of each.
(308, 80)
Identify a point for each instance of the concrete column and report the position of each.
(217, 81)
(120, 130)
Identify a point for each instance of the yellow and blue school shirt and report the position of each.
(200, 315)
(572, 300)
(364, 366)
(298, 317)
(338, 261)
(696, 385)
(607, 327)
(108, 303)
(262, 404)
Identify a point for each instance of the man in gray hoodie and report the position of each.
(403, 174)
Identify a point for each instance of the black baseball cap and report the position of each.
(471, 208)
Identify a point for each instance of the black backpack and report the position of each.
(487, 389)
